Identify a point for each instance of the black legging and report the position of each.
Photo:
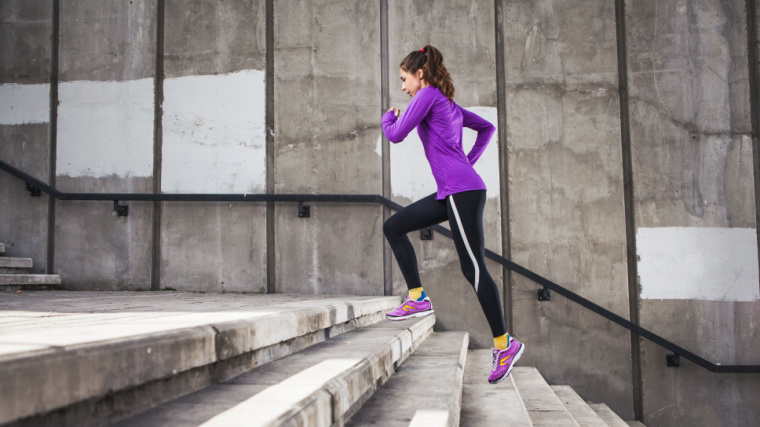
(464, 212)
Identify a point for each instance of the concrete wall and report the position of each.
(694, 201)
(25, 44)
(566, 196)
(690, 140)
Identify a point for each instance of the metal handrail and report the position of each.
(373, 198)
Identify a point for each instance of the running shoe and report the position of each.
(410, 309)
(504, 360)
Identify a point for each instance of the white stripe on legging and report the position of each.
(466, 243)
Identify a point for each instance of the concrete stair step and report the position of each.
(426, 389)
(320, 386)
(8, 262)
(635, 424)
(29, 279)
(577, 407)
(611, 418)
(76, 358)
(544, 408)
(490, 404)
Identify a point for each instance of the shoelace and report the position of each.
(495, 359)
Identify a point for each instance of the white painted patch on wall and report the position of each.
(214, 138)
(411, 176)
(24, 104)
(718, 264)
(105, 128)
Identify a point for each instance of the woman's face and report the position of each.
(412, 82)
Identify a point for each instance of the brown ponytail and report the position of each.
(430, 61)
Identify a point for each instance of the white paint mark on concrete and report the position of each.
(411, 176)
(214, 137)
(430, 418)
(718, 264)
(105, 128)
(379, 146)
(24, 104)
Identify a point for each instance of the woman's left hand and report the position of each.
(395, 110)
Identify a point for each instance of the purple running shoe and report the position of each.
(503, 360)
(410, 309)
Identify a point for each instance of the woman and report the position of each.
(460, 198)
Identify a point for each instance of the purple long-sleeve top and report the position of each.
(439, 124)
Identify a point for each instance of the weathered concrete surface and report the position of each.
(321, 385)
(112, 43)
(213, 247)
(30, 279)
(543, 406)
(436, 367)
(97, 250)
(484, 403)
(327, 127)
(469, 54)
(692, 161)
(567, 220)
(611, 418)
(577, 407)
(8, 262)
(204, 37)
(75, 346)
(25, 28)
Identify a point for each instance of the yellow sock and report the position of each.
(501, 342)
(415, 294)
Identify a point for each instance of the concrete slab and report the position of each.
(2, 248)
(542, 404)
(635, 423)
(609, 417)
(318, 386)
(77, 345)
(7, 262)
(30, 279)
(577, 407)
(436, 367)
(490, 404)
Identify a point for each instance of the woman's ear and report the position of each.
(420, 74)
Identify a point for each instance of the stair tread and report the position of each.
(577, 407)
(437, 367)
(608, 415)
(30, 279)
(152, 335)
(489, 404)
(9, 262)
(316, 386)
(542, 404)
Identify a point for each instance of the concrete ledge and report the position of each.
(30, 279)
(2, 249)
(319, 386)
(437, 367)
(577, 407)
(608, 415)
(542, 404)
(7, 262)
(490, 404)
(51, 358)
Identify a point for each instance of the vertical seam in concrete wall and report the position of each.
(501, 111)
(269, 113)
(386, 158)
(754, 105)
(155, 273)
(53, 138)
(630, 218)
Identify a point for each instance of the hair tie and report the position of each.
(422, 50)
